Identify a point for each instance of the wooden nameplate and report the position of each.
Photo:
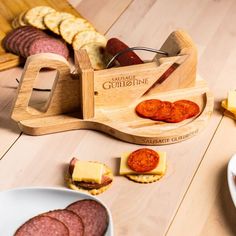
(105, 100)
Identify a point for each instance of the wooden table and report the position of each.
(193, 197)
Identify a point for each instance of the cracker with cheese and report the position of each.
(89, 176)
(143, 165)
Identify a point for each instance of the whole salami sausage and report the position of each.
(114, 46)
(93, 215)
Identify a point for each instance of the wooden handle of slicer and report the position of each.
(84, 68)
(32, 67)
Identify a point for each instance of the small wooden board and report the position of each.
(10, 10)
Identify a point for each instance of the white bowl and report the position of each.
(20, 204)
(231, 176)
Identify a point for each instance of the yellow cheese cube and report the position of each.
(159, 170)
(231, 101)
(88, 172)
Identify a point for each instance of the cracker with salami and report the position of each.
(88, 176)
(143, 165)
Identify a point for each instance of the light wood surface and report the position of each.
(193, 197)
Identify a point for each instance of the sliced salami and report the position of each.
(178, 114)
(93, 215)
(72, 165)
(10, 37)
(29, 42)
(163, 112)
(192, 109)
(143, 160)
(51, 45)
(105, 181)
(148, 108)
(23, 39)
(42, 226)
(71, 220)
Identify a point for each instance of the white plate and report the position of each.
(20, 204)
(231, 178)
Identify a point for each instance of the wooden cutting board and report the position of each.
(11, 9)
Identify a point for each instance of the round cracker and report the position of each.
(21, 19)
(87, 36)
(145, 179)
(15, 23)
(53, 20)
(35, 16)
(70, 27)
(71, 185)
(96, 53)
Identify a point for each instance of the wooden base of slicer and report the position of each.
(105, 100)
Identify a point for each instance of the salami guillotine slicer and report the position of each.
(105, 100)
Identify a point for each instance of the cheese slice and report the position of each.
(231, 101)
(88, 172)
(159, 170)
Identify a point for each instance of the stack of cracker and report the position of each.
(76, 31)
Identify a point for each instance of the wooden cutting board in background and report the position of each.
(11, 9)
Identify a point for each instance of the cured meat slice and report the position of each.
(163, 112)
(29, 42)
(24, 39)
(42, 226)
(72, 165)
(105, 181)
(43, 45)
(143, 160)
(14, 43)
(10, 37)
(93, 215)
(71, 220)
(178, 114)
(192, 109)
(148, 108)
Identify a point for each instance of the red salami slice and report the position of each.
(93, 215)
(105, 181)
(72, 165)
(148, 108)
(192, 109)
(29, 42)
(163, 112)
(23, 41)
(42, 226)
(71, 220)
(178, 114)
(10, 38)
(43, 45)
(143, 160)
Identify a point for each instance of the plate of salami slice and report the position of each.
(48, 211)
